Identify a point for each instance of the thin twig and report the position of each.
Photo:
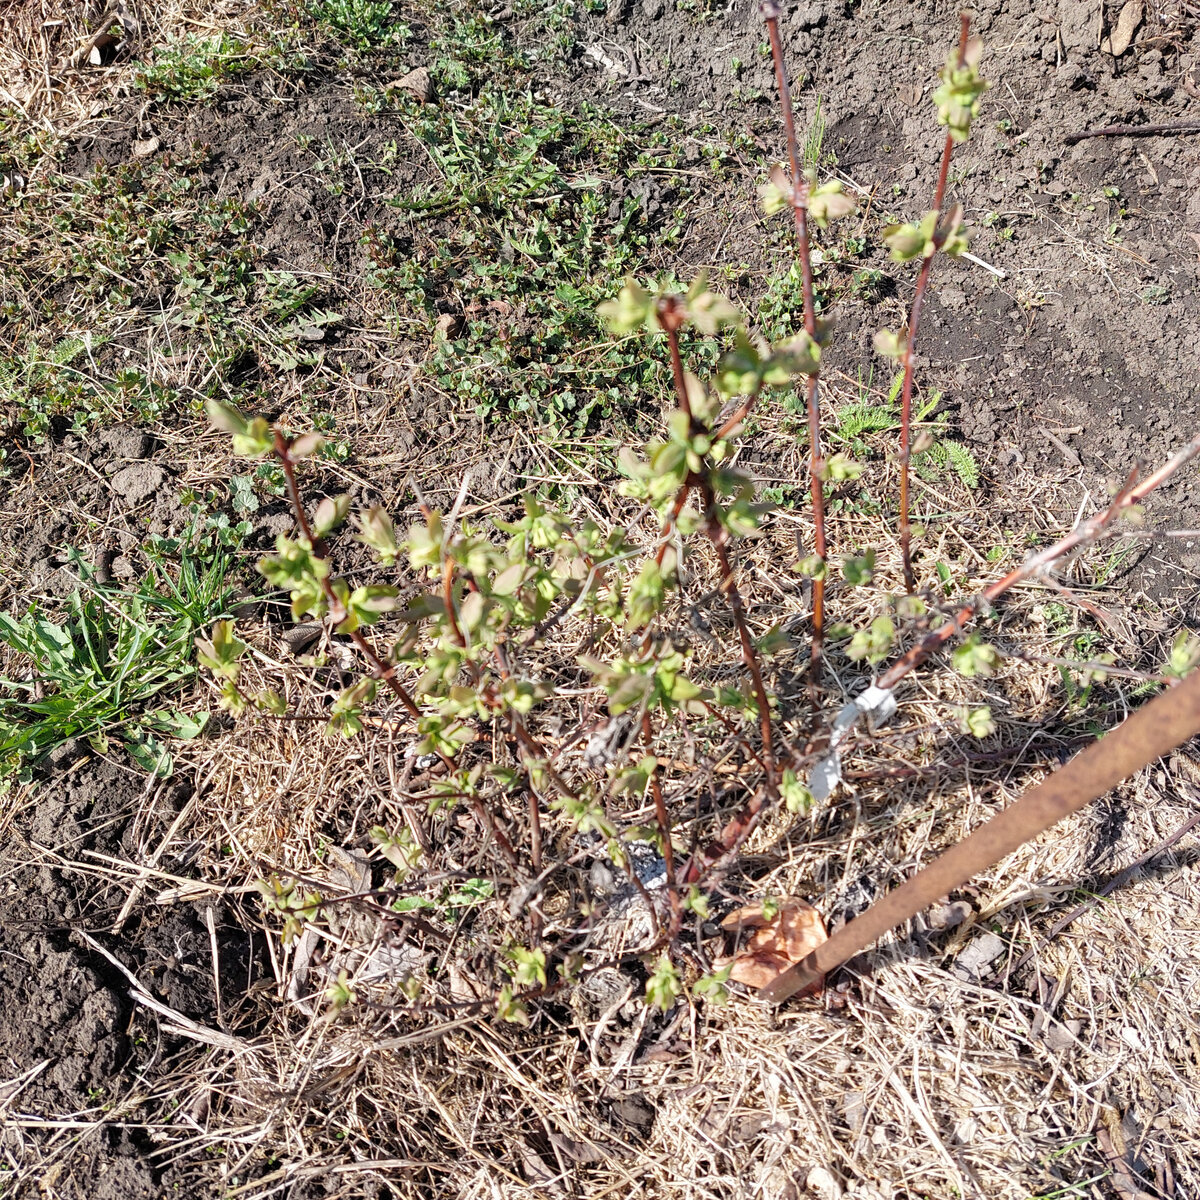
(770, 11)
(1169, 127)
(914, 320)
(664, 826)
(1082, 535)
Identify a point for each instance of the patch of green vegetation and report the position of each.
(190, 69)
(360, 24)
(814, 139)
(533, 214)
(145, 242)
(940, 454)
(104, 671)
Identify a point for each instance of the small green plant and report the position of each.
(106, 670)
(360, 24)
(192, 68)
(459, 630)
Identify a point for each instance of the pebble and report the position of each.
(977, 954)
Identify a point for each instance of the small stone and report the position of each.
(809, 15)
(948, 916)
(126, 442)
(977, 954)
(417, 83)
(1070, 75)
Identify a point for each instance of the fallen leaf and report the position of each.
(1127, 23)
(778, 942)
(824, 1183)
(145, 148)
(102, 50)
(947, 914)
(417, 83)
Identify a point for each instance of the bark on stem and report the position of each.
(770, 13)
(914, 320)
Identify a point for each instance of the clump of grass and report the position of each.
(527, 244)
(190, 69)
(109, 670)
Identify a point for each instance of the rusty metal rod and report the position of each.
(1156, 728)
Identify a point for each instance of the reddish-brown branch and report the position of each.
(448, 600)
(739, 415)
(770, 13)
(1166, 722)
(717, 535)
(669, 524)
(1089, 531)
(671, 318)
(914, 320)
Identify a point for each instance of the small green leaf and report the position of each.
(827, 202)
(331, 512)
(340, 993)
(873, 643)
(713, 987)
(977, 722)
(859, 571)
(664, 985)
(633, 309)
(697, 902)
(776, 193)
(975, 657)
(1184, 656)
(796, 797)
(510, 1009)
(839, 468)
(377, 531)
(890, 343)
(270, 701)
(812, 567)
(225, 417)
(529, 966)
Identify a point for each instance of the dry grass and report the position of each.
(63, 64)
(906, 1080)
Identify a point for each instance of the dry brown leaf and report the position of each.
(778, 941)
(1127, 23)
(417, 83)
